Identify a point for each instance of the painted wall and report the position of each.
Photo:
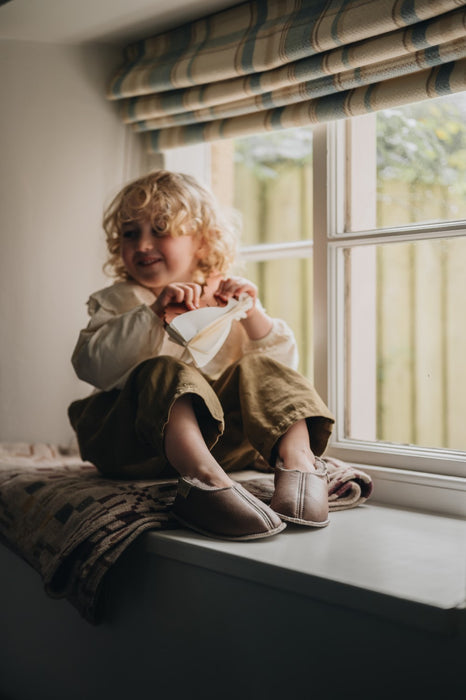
(64, 153)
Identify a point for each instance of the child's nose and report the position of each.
(145, 239)
(145, 243)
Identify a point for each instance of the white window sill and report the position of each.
(402, 564)
(436, 493)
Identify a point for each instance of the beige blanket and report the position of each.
(71, 524)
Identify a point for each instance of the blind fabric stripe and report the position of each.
(315, 88)
(271, 64)
(395, 45)
(413, 88)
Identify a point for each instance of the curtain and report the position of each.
(274, 64)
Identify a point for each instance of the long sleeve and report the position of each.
(122, 333)
(279, 344)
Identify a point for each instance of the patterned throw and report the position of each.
(274, 64)
(71, 525)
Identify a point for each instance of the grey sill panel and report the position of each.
(398, 563)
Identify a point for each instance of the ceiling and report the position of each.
(103, 21)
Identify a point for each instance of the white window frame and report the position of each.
(407, 475)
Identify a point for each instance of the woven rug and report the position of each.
(71, 525)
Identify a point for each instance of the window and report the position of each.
(397, 261)
(355, 232)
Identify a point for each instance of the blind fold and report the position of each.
(273, 64)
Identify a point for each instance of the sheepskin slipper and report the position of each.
(302, 497)
(229, 513)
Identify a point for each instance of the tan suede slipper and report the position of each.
(229, 513)
(302, 497)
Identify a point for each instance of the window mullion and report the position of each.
(322, 215)
(276, 251)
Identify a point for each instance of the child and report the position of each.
(158, 415)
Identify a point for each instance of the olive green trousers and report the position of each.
(242, 415)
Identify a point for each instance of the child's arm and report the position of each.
(104, 356)
(271, 336)
(122, 333)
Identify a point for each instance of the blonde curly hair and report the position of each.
(176, 204)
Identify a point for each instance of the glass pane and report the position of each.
(286, 292)
(408, 165)
(421, 162)
(267, 178)
(406, 340)
(273, 186)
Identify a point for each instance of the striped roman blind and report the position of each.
(274, 64)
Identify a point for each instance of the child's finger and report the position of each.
(197, 292)
(172, 294)
(221, 293)
(221, 298)
(228, 286)
(237, 287)
(175, 294)
(233, 287)
(189, 296)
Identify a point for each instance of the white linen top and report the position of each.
(123, 332)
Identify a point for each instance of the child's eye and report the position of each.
(130, 234)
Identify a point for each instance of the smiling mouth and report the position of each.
(145, 262)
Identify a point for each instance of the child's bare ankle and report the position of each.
(210, 476)
(302, 460)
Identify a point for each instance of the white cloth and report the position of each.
(123, 332)
(203, 331)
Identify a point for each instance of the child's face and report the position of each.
(155, 260)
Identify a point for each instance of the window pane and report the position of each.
(286, 292)
(267, 178)
(409, 165)
(421, 162)
(273, 186)
(406, 341)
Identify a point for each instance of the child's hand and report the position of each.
(183, 295)
(257, 323)
(234, 287)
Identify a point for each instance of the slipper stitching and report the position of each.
(301, 494)
(248, 499)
